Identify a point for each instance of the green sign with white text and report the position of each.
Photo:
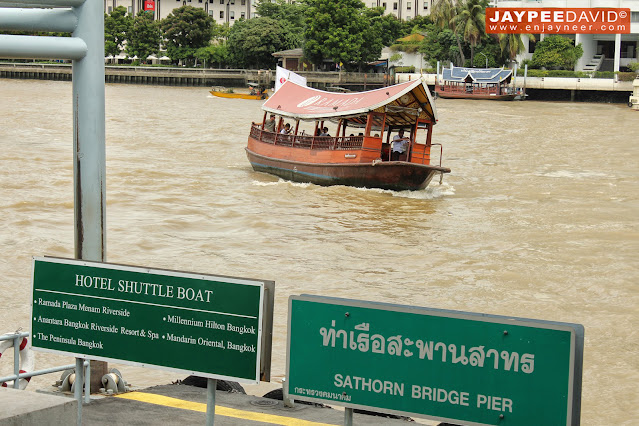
(444, 365)
(198, 324)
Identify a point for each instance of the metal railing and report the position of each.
(85, 21)
(307, 141)
(17, 375)
(423, 155)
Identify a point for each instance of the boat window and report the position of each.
(421, 135)
(375, 125)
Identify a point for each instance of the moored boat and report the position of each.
(476, 83)
(256, 92)
(362, 160)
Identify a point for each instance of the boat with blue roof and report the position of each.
(476, 83)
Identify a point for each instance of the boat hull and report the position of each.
(393, 175)
(449, 95)
(238, 95)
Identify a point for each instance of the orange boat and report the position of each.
(257, 92)
(363, 160)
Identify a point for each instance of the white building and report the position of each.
(402, 9)
(222, 11)
(228, 11)
(606, 52)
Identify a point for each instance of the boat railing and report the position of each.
(422, 154)
(307, 141)
(476, 90)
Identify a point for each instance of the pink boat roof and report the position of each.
(401, 102)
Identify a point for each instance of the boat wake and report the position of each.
(429, 193)
(572, 175)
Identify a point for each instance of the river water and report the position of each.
(538, 218)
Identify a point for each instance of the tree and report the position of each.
(116, 27)
(444, 13)
(390, 28)
(338, 30)
(440, 45)
(145, 36)
(419, 24)
(289, 15)
(252, 42)
(470, 23)
(214, 54)
(556, 51)
(186, 29)
(512, 44)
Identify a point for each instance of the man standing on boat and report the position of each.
(399, 145)
(270, 124)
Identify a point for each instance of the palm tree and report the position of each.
(470, 23)
(512, 44)
(444, 13)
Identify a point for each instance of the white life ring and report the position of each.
(27, 360)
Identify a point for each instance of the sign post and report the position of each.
(443, 365)
(209, 326)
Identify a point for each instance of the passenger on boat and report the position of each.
(270, 124)
(399, 145)
(325, 132)
(286, 130)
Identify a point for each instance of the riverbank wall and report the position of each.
(165, 76)
(537, 88)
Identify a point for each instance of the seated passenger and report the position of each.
(286, 129)
(399, 145)
(325, 132)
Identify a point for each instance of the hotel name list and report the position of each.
(106, 316)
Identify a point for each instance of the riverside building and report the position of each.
(602, 52)
(229, 11)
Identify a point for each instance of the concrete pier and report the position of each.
(21, 407)
(174, 405)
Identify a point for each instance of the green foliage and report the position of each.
(290, 15)
(419, 24)
(556, 52)
(512, 44)
(343, 31)
(252, 42)
(440, 45)
(410, 69)
(493, 54)
(633, 66)
(116, 27)
(621, 76)
(626, 76)
(389, 27)
(145, 36)
(470, 23)
(213, 55)
(220, 32)
(186, 29)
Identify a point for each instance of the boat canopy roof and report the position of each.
(477, 75)
(402, 103)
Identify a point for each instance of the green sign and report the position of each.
(443, 365)
(217, 327)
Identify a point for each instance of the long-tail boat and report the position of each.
(361, 161)
(257, 92)
(476, 83)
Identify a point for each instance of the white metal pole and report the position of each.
(211, 386)
(89, 158)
